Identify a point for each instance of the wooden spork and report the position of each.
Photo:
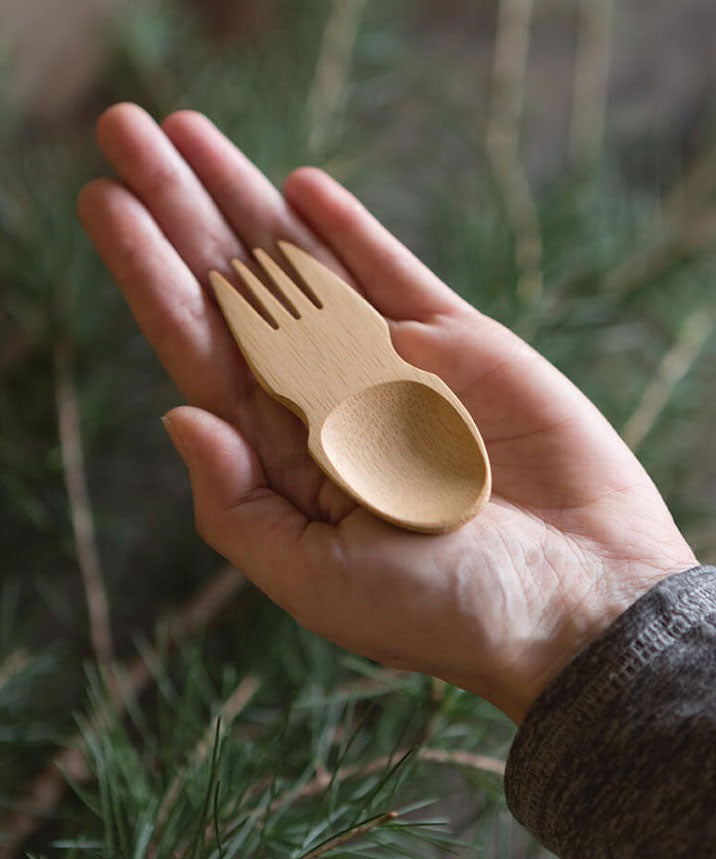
(395, 438)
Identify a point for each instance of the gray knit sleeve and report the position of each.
(617, 757)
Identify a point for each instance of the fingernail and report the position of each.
(175, 435)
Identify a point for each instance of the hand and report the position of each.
(575, 531)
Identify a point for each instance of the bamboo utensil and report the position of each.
(393, 437)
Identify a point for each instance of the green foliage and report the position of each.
(298, 767)
(327, 745)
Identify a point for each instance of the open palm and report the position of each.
(575, 530)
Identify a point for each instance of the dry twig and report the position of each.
(673, 367)
(681, 242)
(684, 223)
(352, 834)
(591, 78)
(331, 76)
(68, 419)
(503, 133)
(692, 192)
(443, 757)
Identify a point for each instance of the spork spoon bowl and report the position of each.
(394, 437)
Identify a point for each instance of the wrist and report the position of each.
(574, 622)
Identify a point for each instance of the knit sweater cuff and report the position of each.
(597, 767)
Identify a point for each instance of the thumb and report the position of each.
(235, 509)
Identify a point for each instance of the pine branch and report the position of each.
(323, 779)
(163, 58)
(444, 757)
(350, 834)
(40, 800)
(231, 708)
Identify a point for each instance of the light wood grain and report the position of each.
(393, 437)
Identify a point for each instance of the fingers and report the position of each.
(394, 280)
(304, 566)
(185, 328)
(251, 204)
(238, 514)
(150, 166)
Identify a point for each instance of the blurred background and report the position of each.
(553, 161)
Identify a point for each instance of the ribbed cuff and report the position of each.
(598, 766)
